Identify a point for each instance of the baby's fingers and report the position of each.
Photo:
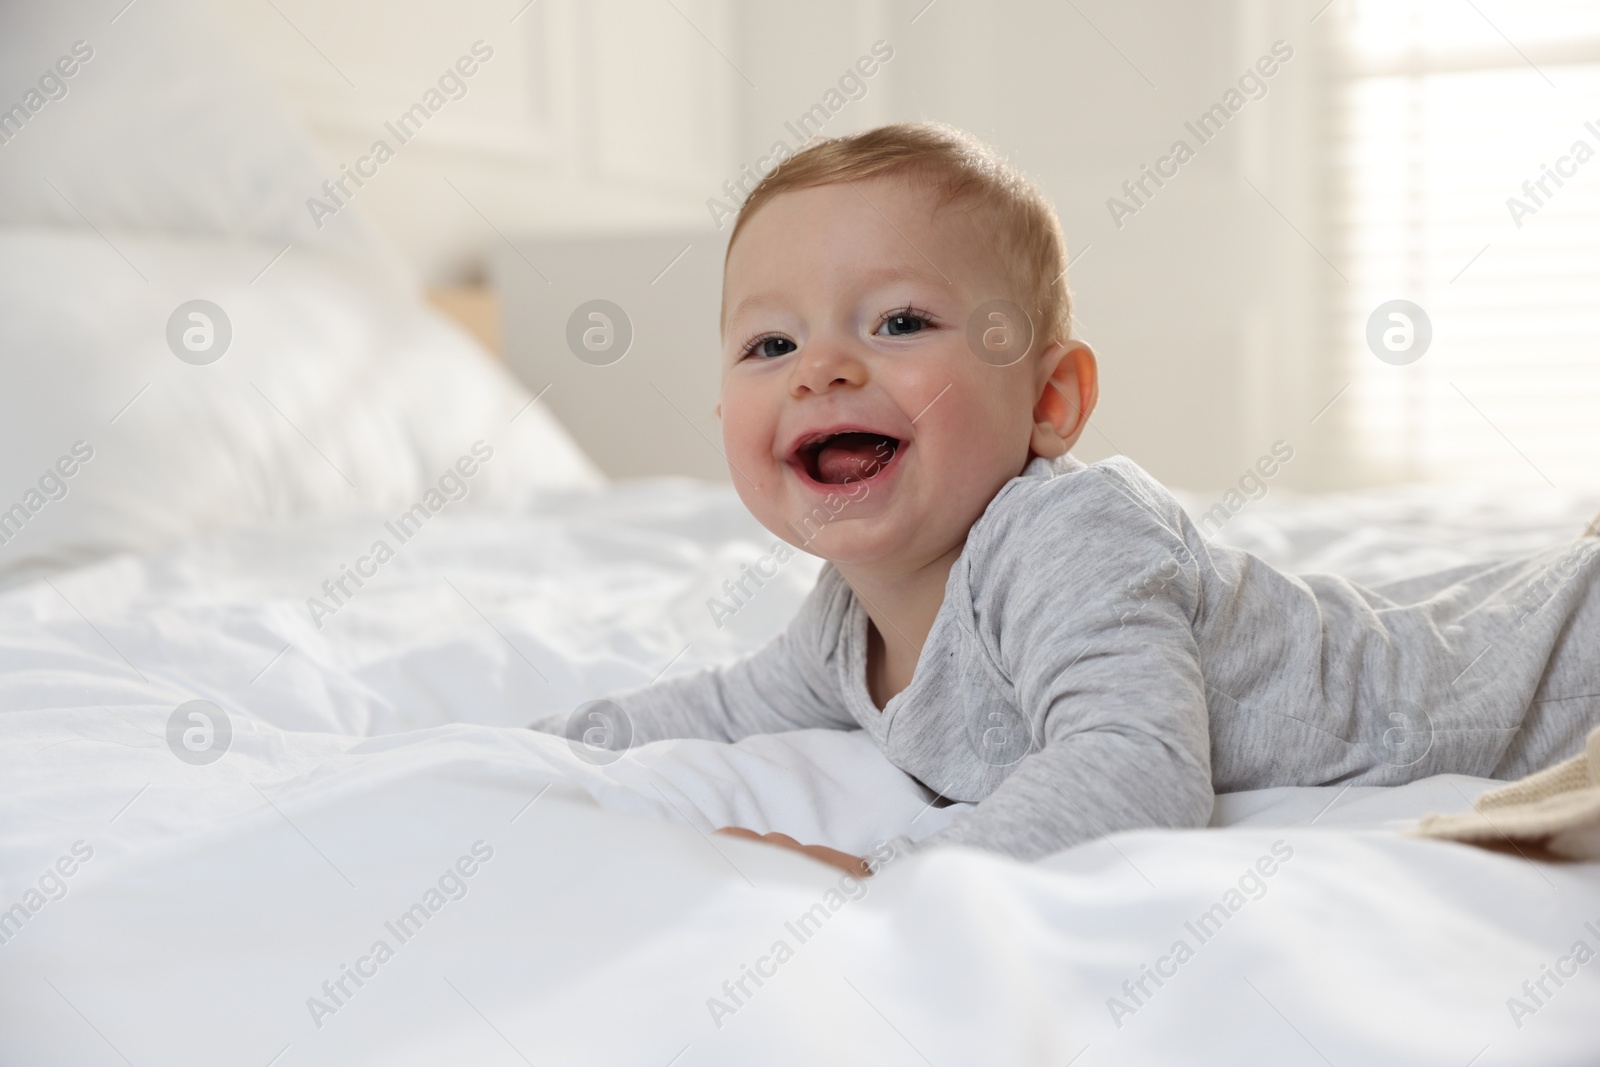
(843, 860)
(833, 857)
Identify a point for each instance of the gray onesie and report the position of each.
(1098, 666)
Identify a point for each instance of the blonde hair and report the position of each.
(962, 169)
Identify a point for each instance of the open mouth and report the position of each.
(843, 458)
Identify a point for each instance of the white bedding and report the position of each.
(368, 756)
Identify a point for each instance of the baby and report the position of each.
(1054, 641)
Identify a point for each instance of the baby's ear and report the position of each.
(1069, 389)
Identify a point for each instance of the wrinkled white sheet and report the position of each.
(366, 759)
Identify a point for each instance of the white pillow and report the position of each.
(165, 128)
(338, 391)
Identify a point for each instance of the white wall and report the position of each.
(590, 115)
(616, 115)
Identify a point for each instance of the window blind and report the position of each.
(1465, 154)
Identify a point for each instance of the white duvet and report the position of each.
(306, 897)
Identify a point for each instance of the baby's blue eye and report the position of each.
(770, 347)
(902, 324)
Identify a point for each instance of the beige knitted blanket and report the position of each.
(1556, 811)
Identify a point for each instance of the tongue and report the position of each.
(853, 457)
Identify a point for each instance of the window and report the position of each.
(1466, 169)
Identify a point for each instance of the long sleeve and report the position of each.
(784, 685)
(1092, 623)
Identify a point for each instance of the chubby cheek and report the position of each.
(959, 447)
(976, 436)
(748, 441)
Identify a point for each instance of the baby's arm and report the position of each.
(1082, 788)
(1094, 630)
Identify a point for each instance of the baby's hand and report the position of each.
(843, 860)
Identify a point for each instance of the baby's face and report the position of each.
(858, 423)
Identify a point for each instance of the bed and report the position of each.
(267, 798)
(602, 923)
